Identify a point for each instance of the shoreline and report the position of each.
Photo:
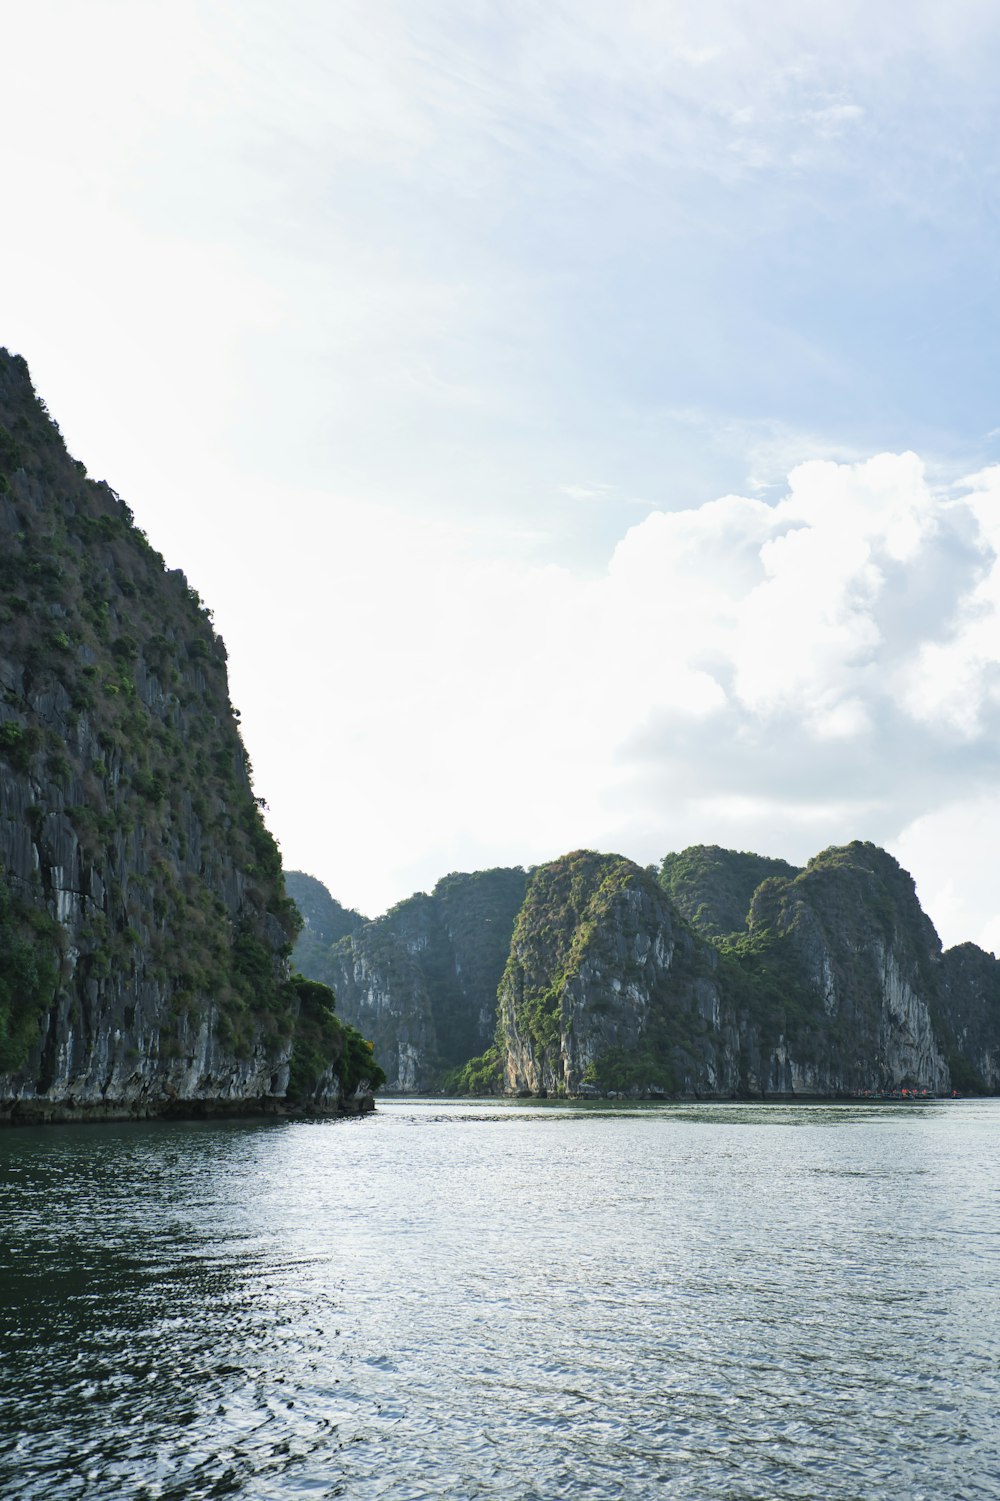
(42, 1112)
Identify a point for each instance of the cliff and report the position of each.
(836, 985)
(969, 1017)
(421, 981)
(845, 967)
(144, 927)
(605, 987)
(324, 922)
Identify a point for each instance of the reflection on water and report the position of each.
(506, 1300)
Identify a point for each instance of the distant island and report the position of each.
(721, 974)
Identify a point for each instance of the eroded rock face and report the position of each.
(861, 962)
(593, 966)
(324, 921)
(831, 981)
(969, 1016)
(144, 928)
(835, 986)
(421, 981)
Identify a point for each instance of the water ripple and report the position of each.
(631, 1302)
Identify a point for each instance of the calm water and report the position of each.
(513, 1301)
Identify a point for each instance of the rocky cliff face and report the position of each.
(859, 966)
(144, 928)
(422, 980)
(324, 921)
(605, 987)
(969, 1017)
(836, 985)
(849, 930)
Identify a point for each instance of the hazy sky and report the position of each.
(580, 417)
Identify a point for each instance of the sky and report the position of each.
(581, 418)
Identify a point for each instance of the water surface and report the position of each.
(510, 1300)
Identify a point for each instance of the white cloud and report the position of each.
(952, 853)
(741, 673)
(513, 266)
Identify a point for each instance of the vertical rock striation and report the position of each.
(144, 927)
(832, 981)
(324, 921)
(421, 981)
(604, 985)
(969, 1017)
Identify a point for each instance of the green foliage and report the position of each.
(567, 902)
(265, 856)
(965, 1077)
(19, 743)
(763, 975)
(357, 1062)
(480, 1076)
(150, 785)
(324, 1045)
(638, 1072)
(319, 1037)
(12, 453)
(713, 887)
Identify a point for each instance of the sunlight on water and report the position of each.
(512, 1300)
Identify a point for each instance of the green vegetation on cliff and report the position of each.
(421, 980)
(325, 1045)
(567, 904)
(969, 1018)
(831, 981)
(713, 887)
(324, 922)
(145, 896)
(601, 988)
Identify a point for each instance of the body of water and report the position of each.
(516, 1300)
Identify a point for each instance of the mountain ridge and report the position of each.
(722, 974)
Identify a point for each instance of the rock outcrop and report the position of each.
(144, 927)
(421, 981)
(968, 1016)
(848, 966)
(835, 985)
(728, 975)
(606, 987)
(850, 930)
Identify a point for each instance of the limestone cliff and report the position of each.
(835, 986)
(849, 929)
(324, 922)
(606, 987)
(421, 981)
(846, 967)
(969, 1016)
(144, 928)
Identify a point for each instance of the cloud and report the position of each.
(851, 628)
(952, 852)
(759, 674)
(305, 286)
